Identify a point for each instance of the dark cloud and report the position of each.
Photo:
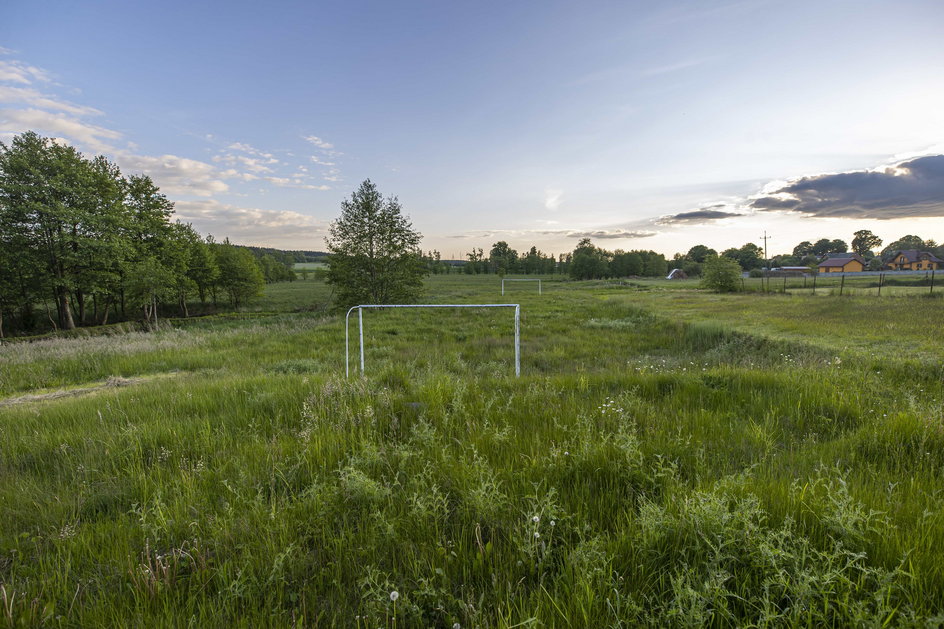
(703, 215)
(909, 189)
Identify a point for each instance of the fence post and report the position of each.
(842, 284)
(814, 284)
(932, 282)
(881, 279)
(784, 291)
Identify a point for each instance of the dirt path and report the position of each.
(112, 382)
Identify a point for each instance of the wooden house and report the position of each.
(842, 263)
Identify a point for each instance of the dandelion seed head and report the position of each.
(536, 519)
(394, 596)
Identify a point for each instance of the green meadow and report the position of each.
(668, 458)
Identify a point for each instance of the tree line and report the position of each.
(82, 244)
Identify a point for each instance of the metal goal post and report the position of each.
(521, 280)
(360, 326)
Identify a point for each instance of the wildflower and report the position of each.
(553, 523)
(536, 519)
(536, 535)
(394, 596)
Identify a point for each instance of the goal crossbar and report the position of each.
(515, 279)
(360, 325)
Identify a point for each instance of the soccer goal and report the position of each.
(360, 326)
(521, 280)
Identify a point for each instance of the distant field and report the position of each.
(669, 457)
(310, 266)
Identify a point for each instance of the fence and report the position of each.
(891, 283)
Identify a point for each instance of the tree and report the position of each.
(825, 246)
(502, 258)
(700, 253)
(721, 274)
(865, 241)
(906, 243)
(588, 261)
(374, 251)
(240, 275)
(803, 249)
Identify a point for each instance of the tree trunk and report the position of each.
(49, 315)
(107, 307)
(65, 310)
(183, 305)
(80, 300)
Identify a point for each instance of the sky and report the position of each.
(642, 125)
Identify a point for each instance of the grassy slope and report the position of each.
(681, 470)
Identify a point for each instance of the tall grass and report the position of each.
(644, 471)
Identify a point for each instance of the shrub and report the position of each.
(721, 274)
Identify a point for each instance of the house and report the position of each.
(842, 263)
(914, 260)
(677, 274)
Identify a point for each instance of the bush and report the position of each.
(721, 274)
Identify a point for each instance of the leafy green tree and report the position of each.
(700, 253)
(906, 243)
(654, 264)
(203, 270)
(750, 256)
(502, 258)
(149, 282)
(825, 246)
(240, 275)
(588, 262)
(374, 251)
(43, 188)
(865, 241)
(805, 248)
(721, 274)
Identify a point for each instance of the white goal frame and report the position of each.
(360, 326)
(514, 279)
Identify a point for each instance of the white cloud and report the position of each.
(252, 164)
(552, 198)
(19, 120)
(314, 139)
(19, 72)
(176, 175)
(252, 225)
(10, 94)
(320, 161)
(248, 148)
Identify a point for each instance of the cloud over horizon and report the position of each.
(703, 215)
(251, 225)
(908, 189)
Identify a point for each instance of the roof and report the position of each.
(913, 255)
(842, 259)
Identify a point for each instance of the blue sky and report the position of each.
(642, 125)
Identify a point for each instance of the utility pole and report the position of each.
(766, 261)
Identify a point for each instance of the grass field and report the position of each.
(669, 457)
